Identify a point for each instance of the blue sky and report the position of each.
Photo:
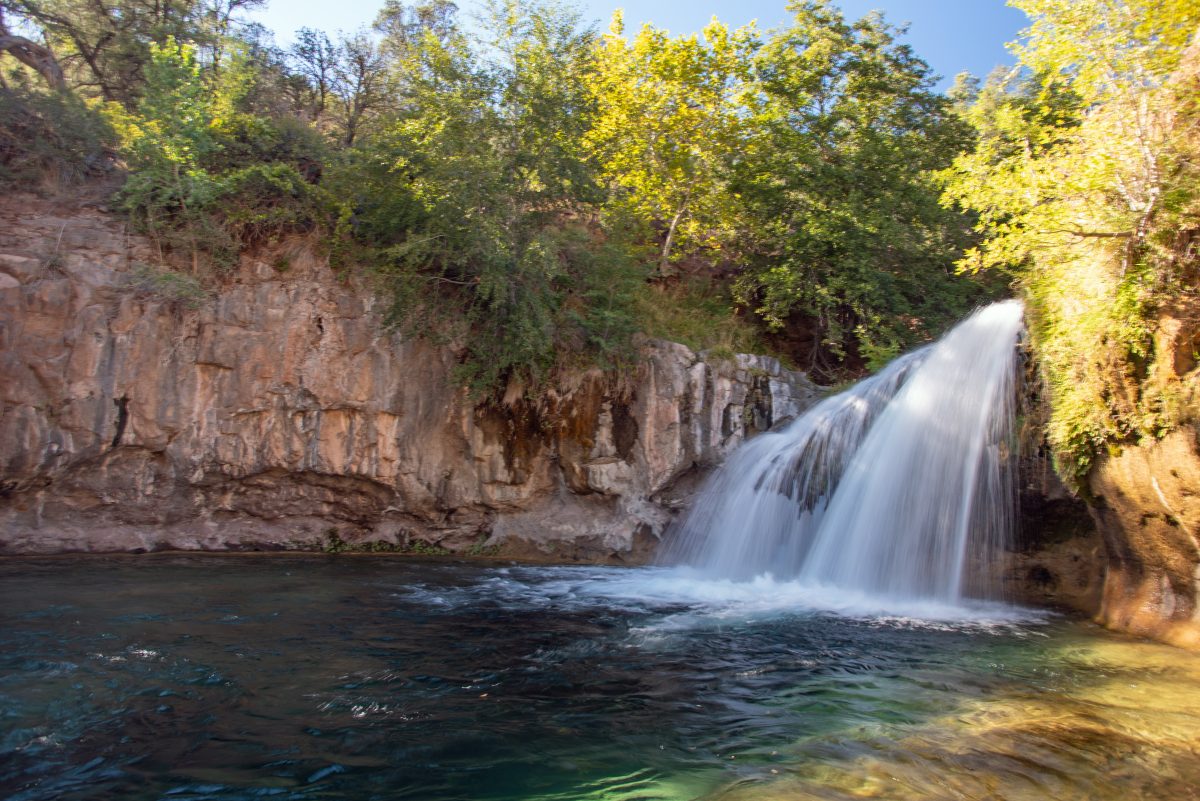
(951, 35)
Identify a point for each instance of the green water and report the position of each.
(239, 677)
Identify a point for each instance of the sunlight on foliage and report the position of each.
(526, 190)
(1079, 172)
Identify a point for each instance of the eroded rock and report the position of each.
(1147, 507)
(276, 413)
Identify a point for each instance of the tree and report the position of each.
(360, 84)
(165, 143)
(669, 123)
(105, 47)
(216, 25)
(1083, 174)
(31, 54)
(494, 250)
(404, 26)
(315, 58)
(843, 225)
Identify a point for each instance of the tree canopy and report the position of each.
(526, 187)
(1083, 178)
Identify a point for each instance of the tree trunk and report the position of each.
(664, 258)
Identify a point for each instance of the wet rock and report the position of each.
(1059, 558)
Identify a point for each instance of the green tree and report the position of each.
(1083, 174)
(104, 48)
(843, 220)
(669, 122)
(314, 58)
(208, 175)
(360, 85)
(492, 248)
(164, 143)
(404, 26)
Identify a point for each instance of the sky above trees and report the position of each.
(951, 35)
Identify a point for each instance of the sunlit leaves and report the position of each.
(1075, 159)
(670, 121)
(841, 214)
(489, 147)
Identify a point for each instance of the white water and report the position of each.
(896, 490)
(681, 599)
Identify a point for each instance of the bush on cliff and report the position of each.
(494, 248)
(186, 187)
(534, 191)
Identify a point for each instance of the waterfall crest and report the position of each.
(897, 487)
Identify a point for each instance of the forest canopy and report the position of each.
(517, 182)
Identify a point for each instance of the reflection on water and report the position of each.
(236, 677)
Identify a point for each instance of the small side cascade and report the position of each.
(897, 487)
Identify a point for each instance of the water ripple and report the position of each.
(308, 678)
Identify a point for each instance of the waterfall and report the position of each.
(899, 487)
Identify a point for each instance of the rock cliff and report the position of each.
(1146, 497)
(274, 412)
(1147, 509)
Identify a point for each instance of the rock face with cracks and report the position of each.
(275, 412)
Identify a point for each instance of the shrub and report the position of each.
(700, 314)
(258, 203)
(168, 285)
(51, 139)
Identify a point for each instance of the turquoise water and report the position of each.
(288, 677)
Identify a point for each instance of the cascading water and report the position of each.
(894, 488)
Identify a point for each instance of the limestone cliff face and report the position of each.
(275, 409)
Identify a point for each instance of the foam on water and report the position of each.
(679, 598)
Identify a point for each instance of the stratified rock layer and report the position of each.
(277, 413)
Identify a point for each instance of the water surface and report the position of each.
(239, 677)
